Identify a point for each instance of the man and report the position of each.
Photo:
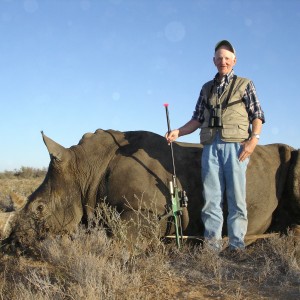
(230, 117)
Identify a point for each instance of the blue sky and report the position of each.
(71, 66)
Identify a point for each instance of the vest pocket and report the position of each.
(234, 131)
(229, 131)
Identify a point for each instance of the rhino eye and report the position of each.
(40, 208)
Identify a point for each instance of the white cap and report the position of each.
(225, 43)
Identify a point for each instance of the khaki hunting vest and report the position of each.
(234, 116)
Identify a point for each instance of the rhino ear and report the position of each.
(55, 150)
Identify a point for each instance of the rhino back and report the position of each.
(142, 169)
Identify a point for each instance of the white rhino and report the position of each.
(123, 167)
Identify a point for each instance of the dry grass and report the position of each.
(89, 265)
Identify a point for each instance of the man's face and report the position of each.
(224, 60)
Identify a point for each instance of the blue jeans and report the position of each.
(222, 172)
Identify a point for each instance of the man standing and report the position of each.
(230, 117)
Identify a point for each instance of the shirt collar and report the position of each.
(226, 79)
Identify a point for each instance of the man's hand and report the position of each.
(249, 145)
(248, 148)
(188, 128)
(172, 136)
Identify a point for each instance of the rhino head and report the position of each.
(55, 207)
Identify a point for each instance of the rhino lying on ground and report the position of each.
(123, 167)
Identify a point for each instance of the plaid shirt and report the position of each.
(250, 99)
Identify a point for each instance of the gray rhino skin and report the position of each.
(136, 167)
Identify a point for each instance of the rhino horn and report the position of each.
(55, 150)
(18, 201)
(7, 220)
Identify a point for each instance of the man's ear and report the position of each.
(234, 61)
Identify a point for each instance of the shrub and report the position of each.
(91, 265)
(24, 172)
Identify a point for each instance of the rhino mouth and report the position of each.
(27, 233)
(13, 223)
(20, 234)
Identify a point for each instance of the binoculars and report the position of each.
(215, 116)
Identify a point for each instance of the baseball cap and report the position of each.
(225, 43)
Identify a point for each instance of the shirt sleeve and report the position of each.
(198, 114)
(252, 103)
